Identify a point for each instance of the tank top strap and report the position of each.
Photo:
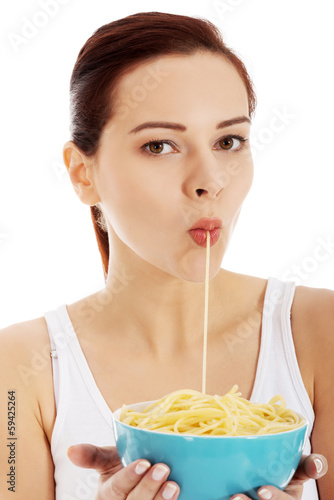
(278, 370)
(54, 327)
(290, 353)
(71, 360)
(265, 344)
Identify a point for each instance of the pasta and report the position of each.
(195, 413)
(206, 307)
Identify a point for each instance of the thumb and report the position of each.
(311, 466)
(104, 459)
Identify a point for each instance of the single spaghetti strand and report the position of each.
(206, 304)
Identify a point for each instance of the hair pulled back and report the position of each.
(114, 49)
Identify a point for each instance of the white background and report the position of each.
(48, 251)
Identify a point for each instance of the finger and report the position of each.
(104, 459)
(154, 486)
(151, 482)
(240, 496)
(272, 493)
(311, 466)
(139, 480)
(169, 491)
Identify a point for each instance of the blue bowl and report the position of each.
(214, 467)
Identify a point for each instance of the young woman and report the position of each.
(161, 112)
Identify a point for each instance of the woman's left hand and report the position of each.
(312, 466)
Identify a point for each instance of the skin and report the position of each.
(146, 339)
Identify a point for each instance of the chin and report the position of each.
(197, 274)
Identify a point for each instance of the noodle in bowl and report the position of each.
(205, 457)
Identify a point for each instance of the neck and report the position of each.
(158, 311)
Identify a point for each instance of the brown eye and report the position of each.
(226, 143)
(156, 147)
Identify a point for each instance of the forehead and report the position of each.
(181, 87)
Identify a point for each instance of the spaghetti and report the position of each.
(206, 307)
(191, 412)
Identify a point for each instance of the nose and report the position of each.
(209, 193)
(205, 177)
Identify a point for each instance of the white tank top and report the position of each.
(83, 415)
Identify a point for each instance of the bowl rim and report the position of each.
(115, 418)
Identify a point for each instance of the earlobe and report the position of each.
(79, 168)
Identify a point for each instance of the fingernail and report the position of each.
(159, 472)
(265, 494)
(141, 467)
(318, 465)
(169, 491)
(237, 498)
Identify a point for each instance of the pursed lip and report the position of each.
(208, 224)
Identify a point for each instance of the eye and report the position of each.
(159, 147)
(231, 142)
(156, 147)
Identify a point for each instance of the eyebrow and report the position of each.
(182, 128)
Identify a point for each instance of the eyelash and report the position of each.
(170, 143)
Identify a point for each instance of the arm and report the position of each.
(27, 458)
(323, 432)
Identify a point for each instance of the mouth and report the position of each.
(198, 232)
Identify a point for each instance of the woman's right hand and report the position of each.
(138, 481)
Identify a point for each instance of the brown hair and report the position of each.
(114, 49)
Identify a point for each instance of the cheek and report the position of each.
(124, 201)
(239, 180)
(133, 203)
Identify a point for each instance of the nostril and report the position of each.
(200, 191)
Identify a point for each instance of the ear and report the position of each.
(80, 170)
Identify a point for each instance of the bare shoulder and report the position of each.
(314, 308)
(312, 325)
(24, 331)
(313, 317)
(26, 343)
(25, 359)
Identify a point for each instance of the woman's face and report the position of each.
(152, 194)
